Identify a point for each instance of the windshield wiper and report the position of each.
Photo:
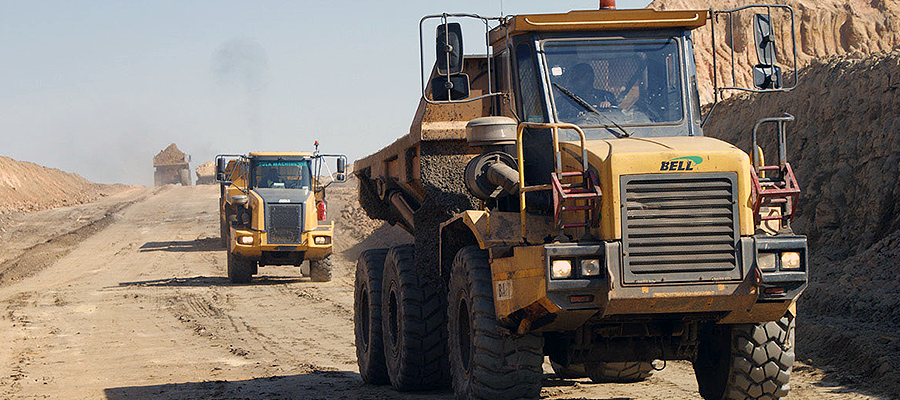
(589, 107)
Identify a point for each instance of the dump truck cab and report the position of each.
(273, 212)
(589, 219)
(640, 78)
(671, 211)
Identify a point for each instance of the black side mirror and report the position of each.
(220, 169)
(764, 34)
(767, 77)
(453, 87)
(449, 48)
(341, 166)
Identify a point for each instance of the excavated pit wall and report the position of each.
(824, 28)
(845, 151)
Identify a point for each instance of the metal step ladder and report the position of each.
(567, 196)
(582, 196)
(773, 185)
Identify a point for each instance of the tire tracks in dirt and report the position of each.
(42, 255)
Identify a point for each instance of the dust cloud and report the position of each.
(242, 64)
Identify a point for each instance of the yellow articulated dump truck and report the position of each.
(565, 202)
(273, 211)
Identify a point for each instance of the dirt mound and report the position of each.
(824, 28)
(845, 150)
(26, 186)
(171, 155)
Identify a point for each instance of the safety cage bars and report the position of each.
(773, 185)
(588, 190)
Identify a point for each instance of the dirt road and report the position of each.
(137, 306)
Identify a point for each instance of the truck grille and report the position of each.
(283, 223)
(680, 228)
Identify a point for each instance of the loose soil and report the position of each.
(142, 309)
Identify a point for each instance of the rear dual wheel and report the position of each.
(367, 317)
(619, 372)
(413, 323)
(606, 372)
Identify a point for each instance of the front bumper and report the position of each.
(751, 298)
(307, 246)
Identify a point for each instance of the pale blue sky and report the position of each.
(99, 87)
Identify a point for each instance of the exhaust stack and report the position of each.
(607, 4)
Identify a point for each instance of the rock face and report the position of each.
(824, 28)
(845, 151)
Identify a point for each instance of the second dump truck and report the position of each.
(273, 211)
(565, 202)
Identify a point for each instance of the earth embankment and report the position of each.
(824, 28)
(26, 187)
(845, 151)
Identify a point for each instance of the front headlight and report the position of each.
(322, 240)
(245, 240)
(590, 267)
(560, 269)
(790, 260)
(766, 261)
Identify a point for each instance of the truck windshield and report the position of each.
(281, 174)
(601, 83)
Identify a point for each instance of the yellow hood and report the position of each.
(614, 158)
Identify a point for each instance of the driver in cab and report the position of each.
(271, 177)
(580, 83)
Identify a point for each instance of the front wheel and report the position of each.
(320, 270)
(746, 361)
(486, 362)
(240, 269)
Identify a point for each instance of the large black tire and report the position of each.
(487, 362)
(414, 324)
(619, 372)
(240, 269)
(224, 230)
(747, 361)
(367, 317)
(573, 371)
(320, 270)
(184, 176)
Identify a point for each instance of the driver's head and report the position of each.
(270, 174)
(581, 76)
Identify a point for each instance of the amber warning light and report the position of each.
(607, 4)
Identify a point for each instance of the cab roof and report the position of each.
(279, 154)
(600, 20)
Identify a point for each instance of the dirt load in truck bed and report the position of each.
(170, 155)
